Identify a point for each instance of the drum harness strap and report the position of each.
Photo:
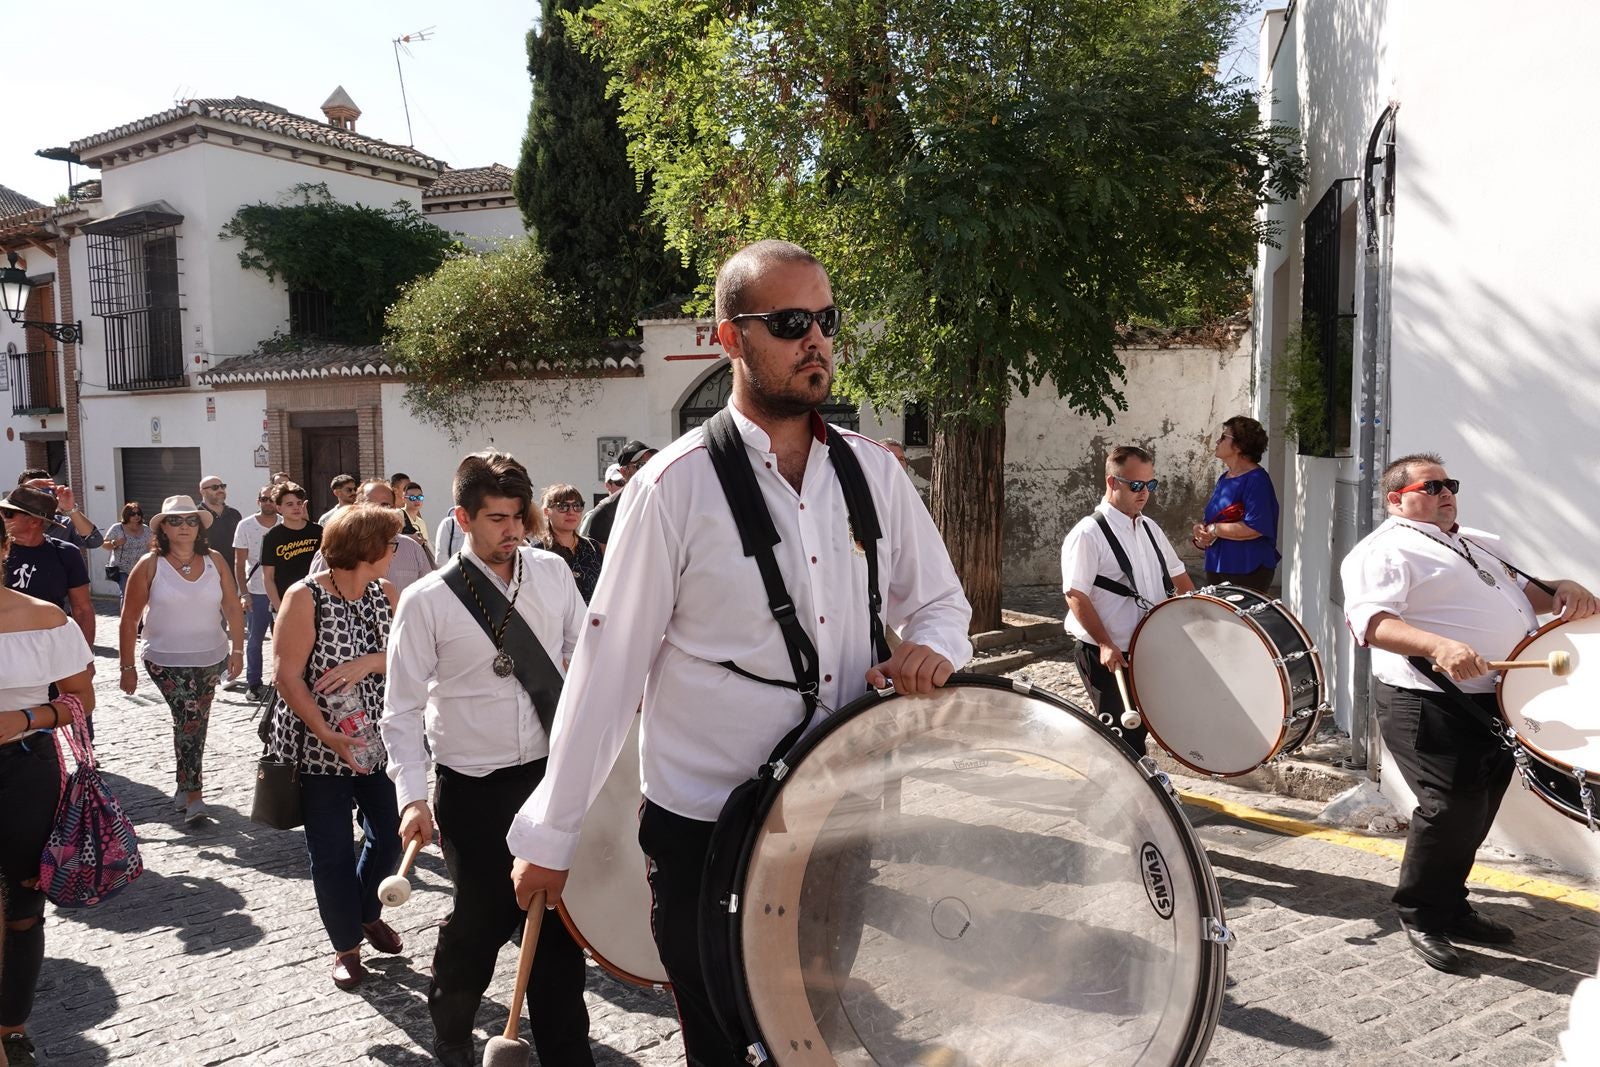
(758, 535)
(1131, 590)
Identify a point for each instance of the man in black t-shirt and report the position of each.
(597, 523)
(288, 548)
(41, 566)
(224, 520)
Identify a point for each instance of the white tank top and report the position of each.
(183, 624)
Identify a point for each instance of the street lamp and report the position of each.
(14, 290)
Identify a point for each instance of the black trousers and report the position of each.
(1459, 772)
(30, 785)
(473, 816)
(676, 848)
(1259, 579)
(1101, 685)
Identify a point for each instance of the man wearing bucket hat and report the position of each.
(597, 524)
(40, 565)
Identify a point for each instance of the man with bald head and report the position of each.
(1436, 601)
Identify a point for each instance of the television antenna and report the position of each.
(400, 44)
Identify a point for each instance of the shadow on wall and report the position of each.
(1342, 55)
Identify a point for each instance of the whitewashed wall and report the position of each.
(481, 228)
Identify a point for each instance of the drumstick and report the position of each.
(1558, 663)
(509, 1050)
(395, 889)
(1130, 718)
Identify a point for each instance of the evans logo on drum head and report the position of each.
(1157, 883)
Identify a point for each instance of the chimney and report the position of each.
(341, 110)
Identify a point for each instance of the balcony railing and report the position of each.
(35, 389)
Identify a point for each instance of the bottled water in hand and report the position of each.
(346, 715)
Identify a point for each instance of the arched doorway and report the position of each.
(711, 396)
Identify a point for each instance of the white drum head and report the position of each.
(1559, 718)
(606, 903)
(1204, 680)
(977, 877)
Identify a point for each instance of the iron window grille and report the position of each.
(310, 314)
(135, 290)
(34, 388)
(1324, 319)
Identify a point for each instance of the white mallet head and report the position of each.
(1560, 662)
(1131, 720)
(394, 891)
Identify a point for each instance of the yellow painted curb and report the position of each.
(1394, 850)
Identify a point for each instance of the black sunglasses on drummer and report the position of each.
(1433, 486)
(791, 324)
(1138, 486)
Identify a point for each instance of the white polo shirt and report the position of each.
(1086, 555)
(1418, 572)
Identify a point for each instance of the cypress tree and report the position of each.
(578, 192)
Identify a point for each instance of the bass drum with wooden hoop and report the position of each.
(1226, 679)
(983, 876)
(1555, 719)
(606, 903)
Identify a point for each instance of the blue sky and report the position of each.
(118, 62)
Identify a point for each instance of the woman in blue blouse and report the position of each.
(1240, 532)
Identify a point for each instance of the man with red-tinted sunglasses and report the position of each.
(1422, 588)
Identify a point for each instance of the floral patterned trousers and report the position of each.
(188, 691)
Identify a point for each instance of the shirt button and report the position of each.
(813, 559)
(769, 466)
(594, 622)
(822, 618)
(827, 677)
(802, 507)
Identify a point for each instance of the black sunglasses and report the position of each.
(1433, 486)
(791, 324)
(1151, 484)
(183, 520)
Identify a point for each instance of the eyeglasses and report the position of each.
(132, 514)
(1225, 437)
(1433, 486)
(183, 520)
(219, 485)
(263, 500)
(419, 497)
(568, 505)
(394, 546)
(791, 324)
(1139, 486)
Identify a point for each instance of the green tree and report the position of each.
(578, 193)
(360, 256)
(994, 187)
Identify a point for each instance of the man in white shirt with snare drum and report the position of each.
(448, 677)
(678, 597)
(1421, 586)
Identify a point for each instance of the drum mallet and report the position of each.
(1559, 663)
(510, 1050)
(1130, 718)
(395, 890)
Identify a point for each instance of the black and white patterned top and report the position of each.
(346, 629)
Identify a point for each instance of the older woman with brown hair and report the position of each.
(127, 541)
(184, 593)
(328, 648)
(1240, 531)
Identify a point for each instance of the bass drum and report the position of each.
(1557, 717)
(982, 876)
(1558, 787)
(606, 903)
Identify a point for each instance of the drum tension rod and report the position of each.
(1217, 933)
(1291, 657)
(1585, 795)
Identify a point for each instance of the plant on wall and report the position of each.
(1305, 388)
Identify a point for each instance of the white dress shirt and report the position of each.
(441, 676)
(1086, 555)
(1400, 571)
(678, 595)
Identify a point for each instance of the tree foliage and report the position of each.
(577, 190)
(474, 333)
(361, 256)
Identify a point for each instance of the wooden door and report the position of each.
(328, 451)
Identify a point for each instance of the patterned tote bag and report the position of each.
(92, 853)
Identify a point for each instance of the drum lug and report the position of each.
(1585, 796)
(756, 1054)
(779, 769)
(1291, 657)
(1217, 933)
(733, 903)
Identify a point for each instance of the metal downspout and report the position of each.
(1374, 445)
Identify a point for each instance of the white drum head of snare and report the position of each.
(977, 877)
(1558, 717)
(607, 900)
(1206, 684)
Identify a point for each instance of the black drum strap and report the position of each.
(1424, 667)
(864, 529)
(1131, 590)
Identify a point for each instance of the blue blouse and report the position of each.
(1253, 490)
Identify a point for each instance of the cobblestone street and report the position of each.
(216, 954)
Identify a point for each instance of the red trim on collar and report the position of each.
(819, 429)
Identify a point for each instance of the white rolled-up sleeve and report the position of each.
(1375, 583)
(1080, 561)
(412, 663)
(621, 632)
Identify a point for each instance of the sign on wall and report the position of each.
(610, 448)
(155, 431)
(5, 366)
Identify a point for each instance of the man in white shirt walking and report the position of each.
(1421, 586)
(252, 584)
(451, 681)
(1106, 600)
(679, 597)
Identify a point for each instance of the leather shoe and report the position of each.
(1435, 948)
(382, 936)
(347, 971)
(1481, 930)
(454, 1053)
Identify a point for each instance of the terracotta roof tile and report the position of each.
(316, 361)
(495, 178)
(13, 202)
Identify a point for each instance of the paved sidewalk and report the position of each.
(216, 955)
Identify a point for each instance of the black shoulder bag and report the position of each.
(529, 661)
(277, 801)
(735, 827)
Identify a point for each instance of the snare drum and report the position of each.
(606, 903)
(1556, 719)
(981, 876)
(1226, 679)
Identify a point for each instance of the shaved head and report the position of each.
(738, 275)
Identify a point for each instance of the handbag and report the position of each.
(113, 572)
(92, 852)
(277, 802)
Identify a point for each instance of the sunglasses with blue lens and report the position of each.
(1139, 486)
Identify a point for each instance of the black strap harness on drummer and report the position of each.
(758, 536)
(529, 661)
(1131, 589)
